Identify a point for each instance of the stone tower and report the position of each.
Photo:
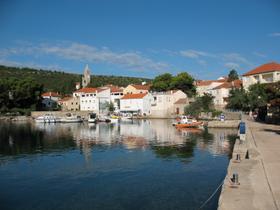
(86, 77)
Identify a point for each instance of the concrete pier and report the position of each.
(259, 176)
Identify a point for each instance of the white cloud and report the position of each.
(231, 65)
(236, 58)
(91, 54)
(260, 54)
(195, 54)
(29, 64)
(276, 34)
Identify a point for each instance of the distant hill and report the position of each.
(63, 82)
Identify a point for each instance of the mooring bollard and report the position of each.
(234, 181)
(237, 159)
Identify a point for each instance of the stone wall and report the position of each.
(36, 114)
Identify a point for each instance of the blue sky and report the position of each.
(140, 38)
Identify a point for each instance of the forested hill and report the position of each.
(63, 82)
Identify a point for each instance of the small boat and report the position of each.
(92, 118)
(126, 118)
(189, 125)
(187, 122)
(47, 118)
(71, 118)
(104, 119)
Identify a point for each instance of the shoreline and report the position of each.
(254, 190)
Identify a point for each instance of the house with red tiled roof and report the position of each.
(139, 103)
(133, 89)
(204, 86)
(69, 103)
(50, 99)
(221, 92)
(266, 73)
(93, 99)
(168, 103)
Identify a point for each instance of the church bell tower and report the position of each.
(86, 77)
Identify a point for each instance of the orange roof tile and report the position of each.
(204, 82)
(50, 94)
(134, 96)
(65, 99)
(142, 87)
(114, 89)
(86, 90)
(236, 84)
(268, 67)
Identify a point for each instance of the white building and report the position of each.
(168, 103)
(267, 73)
(50, 99)
(139, 103)
(221, 92)
(204, 86)
(93, 99)
(116, 95)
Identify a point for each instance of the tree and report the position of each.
(273, 93)
(201, 104)
(162, 82)
(207, 102)
(20, 94)
(183, 81)
(233, 75)
(111, 107)
(238, 100)
(257, 96)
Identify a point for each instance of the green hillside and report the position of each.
(63, 82)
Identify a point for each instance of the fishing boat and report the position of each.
(190, 125)
(71, 118)
(47, 118)
(187, 122)
(92, 118)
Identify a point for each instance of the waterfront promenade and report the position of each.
(259, 175)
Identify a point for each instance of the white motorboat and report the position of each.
(71, 118)
(92, 118)
(47, 118)
(127, 118)
(104, 119)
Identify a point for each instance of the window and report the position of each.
(83, 95)
(91, 94)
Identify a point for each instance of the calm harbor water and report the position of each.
(147, 164)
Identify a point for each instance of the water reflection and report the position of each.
(105, 166)
(163, 139)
